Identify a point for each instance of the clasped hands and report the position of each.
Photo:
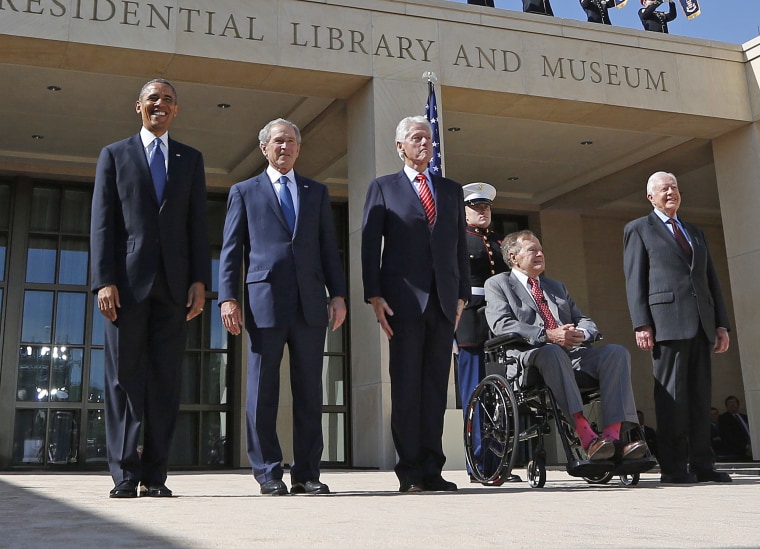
(566, 336)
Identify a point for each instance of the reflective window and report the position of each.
(98, 326)
(75, 258)
(37, 320)
(29, 436)
(3, 252)
(334, 433)
(40, 259)
(46, 209)
(33, 381)
(97, 382)
(63, 437)
(215, 444)
(69, 318)
(214, 379)
(333, 385)
(75, 218)
(185, 448)
(95, 447)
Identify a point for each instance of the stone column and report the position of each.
(737, 163)
(373, 113)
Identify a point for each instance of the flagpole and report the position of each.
(436, 165)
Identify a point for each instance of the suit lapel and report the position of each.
(659, 227)
(267, 192)
(137, 152)
(519, 290)
(407, 189)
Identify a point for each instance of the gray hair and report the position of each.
(656, 177)
(403, 128)
(266, 132)
(512, 244)
(156, 81)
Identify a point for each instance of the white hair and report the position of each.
(656, 177)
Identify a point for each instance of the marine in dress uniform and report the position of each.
(654, 20)
(486, 260)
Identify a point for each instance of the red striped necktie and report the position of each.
(543, 307)
(426, 197)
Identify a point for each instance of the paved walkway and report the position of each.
(224, 509)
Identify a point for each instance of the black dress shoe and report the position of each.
(513, 478)
(684, 478)
(274, 488)
(158, 491)
(439, 484)
(411, 488)
(125, 489)
(711, 475)
(309, 487)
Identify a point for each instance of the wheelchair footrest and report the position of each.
(579, 468)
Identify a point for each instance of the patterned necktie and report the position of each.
(426, 197)
(543, 307)
(680, 238)
(158, 169)
(286, 203)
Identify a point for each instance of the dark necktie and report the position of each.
(543, 307)
(286, 203)
(158, 169)
(680, 238)
(426, 197)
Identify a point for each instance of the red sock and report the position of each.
(584, 430)
(612, 431)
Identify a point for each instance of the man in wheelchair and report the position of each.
(556, 340)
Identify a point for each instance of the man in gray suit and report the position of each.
(678, 313)
(280, 225)
(558, 341)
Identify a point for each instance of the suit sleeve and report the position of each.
(103, 223)
(636, 268)
(463, 255)
(233, 246)
(372, 237)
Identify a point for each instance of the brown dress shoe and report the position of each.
(600, 448)
(633, 450)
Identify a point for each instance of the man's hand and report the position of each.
(196, 297)
(337, 311)
(382, 311)
(232, 316)
(566, 336)
(460, 308)
(645, 338)
(108, 301)
(721, 340)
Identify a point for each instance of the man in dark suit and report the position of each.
(280, 225)
(678, 314)
(654, 20)
(596, 10)
(150, 268)
(416, 275)
(734, 431)
(558, 340)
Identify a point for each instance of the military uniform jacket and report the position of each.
(486, 260)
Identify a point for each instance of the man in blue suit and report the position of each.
(416, 275)
(280, 225)
(150, 269)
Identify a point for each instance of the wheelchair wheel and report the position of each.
(601, 478)
(536, 474)
(492, 414)
(630, 480)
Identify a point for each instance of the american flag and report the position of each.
(431, 113)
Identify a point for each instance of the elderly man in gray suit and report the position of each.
(558, 341)
(678, 313)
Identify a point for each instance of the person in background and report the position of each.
(678, 314)
(656, 21)
(734, 431)
(486, 260)
(280, 225)
(416, 276)
(596, 10)
(151, 267)
(487, 3)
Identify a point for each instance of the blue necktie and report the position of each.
(158, 169)
(286, 203)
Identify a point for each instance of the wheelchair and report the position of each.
(510, 409)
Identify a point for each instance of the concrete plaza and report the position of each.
(223, 509)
